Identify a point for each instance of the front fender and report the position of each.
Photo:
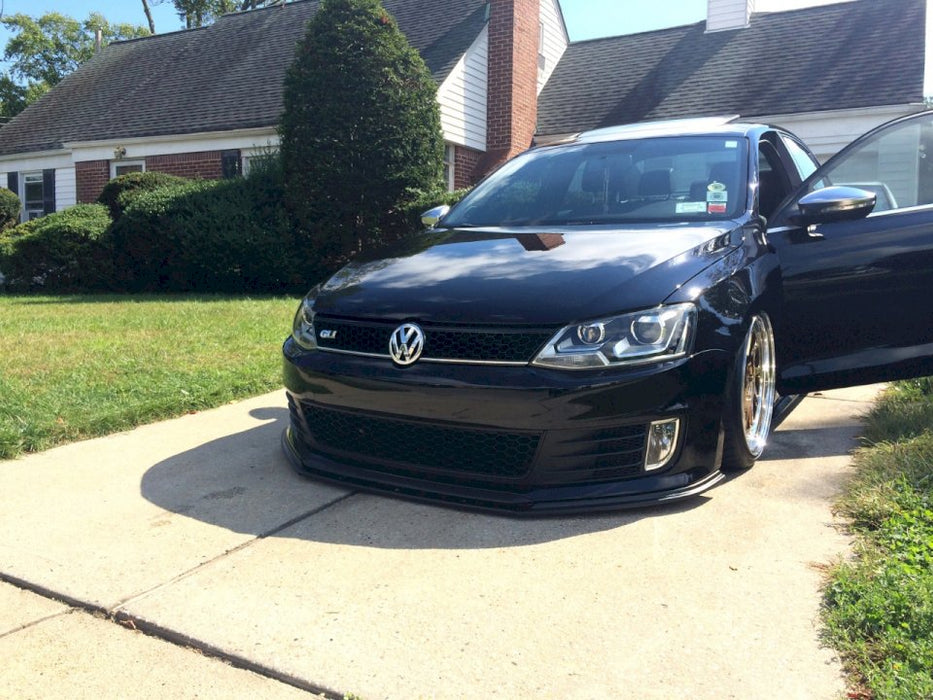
(745, 279)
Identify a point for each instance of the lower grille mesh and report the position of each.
(420, 445)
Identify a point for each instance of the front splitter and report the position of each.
(562, 500)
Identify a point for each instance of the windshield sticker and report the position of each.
(732, 144)
(715, 187)
(716, 208)
(717, 196)
(690, 208)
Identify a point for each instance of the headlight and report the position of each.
(303, 325)
(654, 335)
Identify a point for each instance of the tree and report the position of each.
(12, 98)
(149, 19)
(360, 132)
(197, 13)
(43, 51)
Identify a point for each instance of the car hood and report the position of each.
(514, 276)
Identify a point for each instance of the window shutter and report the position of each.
(12, 183)
(48, 191)
(230, 163)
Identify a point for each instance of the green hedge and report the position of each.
(208, 236)
(120, 192)
(425, 202)
(360, 130)
(173, 234)
(10, 207)
(62, 252)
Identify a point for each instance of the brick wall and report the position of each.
(512, 92)
(204, 164)
(92, 175)
(466, 161)
(90, 178)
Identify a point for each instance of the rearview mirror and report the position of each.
(431, 217)
(831, 204)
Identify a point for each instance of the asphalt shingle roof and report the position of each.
(849, 55)
(217, 78)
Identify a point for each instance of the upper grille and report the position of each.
(399, 443)
(448, 343)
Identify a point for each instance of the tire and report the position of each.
(750, 397)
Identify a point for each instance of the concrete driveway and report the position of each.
(186, 559)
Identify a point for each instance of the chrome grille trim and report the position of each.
(492, 363)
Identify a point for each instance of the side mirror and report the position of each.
(831, 204)
(432, 216)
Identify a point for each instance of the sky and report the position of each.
(585, 19)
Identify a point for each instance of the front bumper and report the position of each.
(517, 439)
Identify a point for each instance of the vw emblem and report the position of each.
(406, 344)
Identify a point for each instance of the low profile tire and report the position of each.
(750, 397)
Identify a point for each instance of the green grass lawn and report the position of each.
(76, 367)
(879, 606)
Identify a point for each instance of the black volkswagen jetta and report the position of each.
(617, 319)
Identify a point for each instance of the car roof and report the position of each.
(719, 126)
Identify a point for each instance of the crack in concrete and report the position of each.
(122, 618)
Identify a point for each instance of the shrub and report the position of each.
(413, 211)
(121, 191)
(10, 207)
(356, 152)
(62, 252)
(208, 236)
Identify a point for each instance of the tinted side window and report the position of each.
(896, 163)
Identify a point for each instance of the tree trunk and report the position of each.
(149, 16)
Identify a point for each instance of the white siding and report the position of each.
(41, 161)
(462, 97)
(249, 141)
(928, 53)
(60, 162)
(728, 14)
(826, 133)
(65, 191)
(554, 41)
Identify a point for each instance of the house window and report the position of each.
(450, 155)
(36, 190)
(230, 163)
(261, 162)
(127, 166)
(33, 196)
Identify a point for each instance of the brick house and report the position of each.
(205, 102)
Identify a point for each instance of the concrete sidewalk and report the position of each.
(186, 559)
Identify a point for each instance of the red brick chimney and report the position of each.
(512, 90)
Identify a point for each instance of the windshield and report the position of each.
(668, 179)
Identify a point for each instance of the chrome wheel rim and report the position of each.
(758, 382)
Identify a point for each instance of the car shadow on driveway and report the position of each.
(815, 442)
(243, 483)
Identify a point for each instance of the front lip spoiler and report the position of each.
(552, 501)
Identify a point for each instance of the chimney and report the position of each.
(512, 79)
(722, 15)
(98, 40)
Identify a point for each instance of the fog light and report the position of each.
(662, 440)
